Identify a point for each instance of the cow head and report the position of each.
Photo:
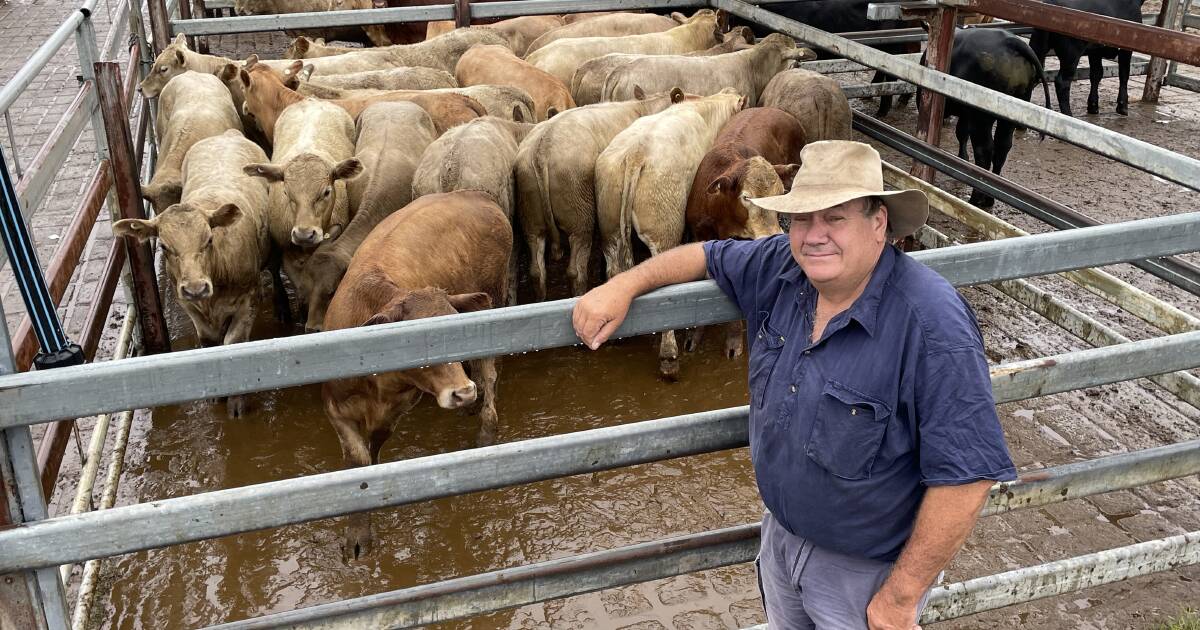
(185, 235)
(311, 190)
(323, 271)
(254, 7)
(448, 383)
(300, 47)
(170, 63)
(162, 195)
(264, 94)
(744, 180)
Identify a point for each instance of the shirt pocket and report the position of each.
(764, 354)
(847, 432)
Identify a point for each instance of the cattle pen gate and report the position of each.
(36, 552)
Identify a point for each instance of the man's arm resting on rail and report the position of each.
(600, 311)
(944, 520)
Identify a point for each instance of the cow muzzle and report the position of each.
(304, 236)
(450, 398)
(195, 290)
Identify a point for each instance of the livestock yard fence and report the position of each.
(36, 552)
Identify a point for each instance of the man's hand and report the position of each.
(600, 312)
(887, 613)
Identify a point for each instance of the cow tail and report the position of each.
(1041, 73)
(543, 174)
(633, 171)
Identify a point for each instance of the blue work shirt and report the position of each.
(846, 433)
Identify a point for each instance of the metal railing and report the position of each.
(134, 383)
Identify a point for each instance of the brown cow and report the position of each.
(610, 25)
(756, 154)
(555, 176)
(364, 34)
(267, 97)
(442, 254)
(391, 137)
(816, 100)
(562, 57)
(642, 183)
(497, 65)
(192, 107)
(214, 241)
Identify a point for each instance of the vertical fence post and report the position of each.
(38, 597)
(85, 46)
(160, 24)
(462, 13)
(185, 13)
(931, 105)
(1167, 18)
(152, 324)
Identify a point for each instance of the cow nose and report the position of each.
(462, 396)
(195, 290)
(305, 236)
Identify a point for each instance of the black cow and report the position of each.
(1069, 50)
(840, 16)
(999, 61)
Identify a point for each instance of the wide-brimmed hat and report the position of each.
(833, 172)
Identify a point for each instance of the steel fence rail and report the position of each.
(506, 588)
(1166, 164)
(236, 510)
(42, 56)
(35, 397)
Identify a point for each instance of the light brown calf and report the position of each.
(215, 241)
(442, 254)
(497, 65)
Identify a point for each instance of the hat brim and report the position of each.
(907, 209)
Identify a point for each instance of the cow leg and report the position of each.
(735, 338)
(577, 267)
(692, 339)
(981, 144)
(1124, 57)
(356, 451)
(485, 375)
(1002, 144)
(1068, 60)
(239, 331)
(283, 308)
(885, 102)
(668, 348)
(962, 131)
(1095, 73)
(537, 262)
(512, 277)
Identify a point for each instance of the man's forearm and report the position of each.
(681, 264)
(944, 521)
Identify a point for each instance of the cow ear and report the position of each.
(180, 58)
(470, 302)
(269, 172)
(639, 93)
(676, 95)
(376, 319)
(320, 41)
(245, 76)
(517, 116)
(786, 173)
(300, 46)
(719, 184)
(227, 73)
(224, 216)
(679, 17)
(141, 229)
(347, 169)
(250, 62)
(180, 40)
(551, 112)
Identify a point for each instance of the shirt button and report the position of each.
(781, 340)
(807, 352)
(793, 389)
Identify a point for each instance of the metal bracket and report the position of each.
(901, 10)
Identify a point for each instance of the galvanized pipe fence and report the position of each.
(256, 366)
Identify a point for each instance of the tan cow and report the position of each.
(496, 65)
(192, 106)
(228, 74)
(476, 156)
(747, 71)
(440, 52)
(177, 58)
(587, 85)
(402, 78)
(312, 161)
(561, 58)
(519, 31)
(391, 137)
(555, 177)
(267, 97)
(215, 241)
(504, 101)
(642, 183)
(816, 100)
(609, 25)
(442, 254)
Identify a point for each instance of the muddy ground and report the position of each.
(192, 448)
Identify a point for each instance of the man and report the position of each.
(873, 432)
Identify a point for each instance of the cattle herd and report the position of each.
(392, 183)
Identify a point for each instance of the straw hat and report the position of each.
(833, 172)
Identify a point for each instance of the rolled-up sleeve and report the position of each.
(741, 267)
(960, 437)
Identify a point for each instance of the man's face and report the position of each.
(838, 245)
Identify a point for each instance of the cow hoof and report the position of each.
(357, 545)
(236, 406)
(669, 369)
(734, 350)
(692, 342)
(982, 201)
(1123, 109)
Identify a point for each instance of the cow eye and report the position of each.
(208, 243)
(163, 68)
(328, 190)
